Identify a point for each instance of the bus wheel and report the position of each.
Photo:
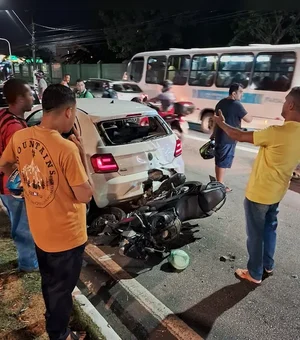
(207, 122)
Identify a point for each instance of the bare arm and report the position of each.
(7, 168)
(83, 192)
(248, 118)
(8, 159)
(233, 133)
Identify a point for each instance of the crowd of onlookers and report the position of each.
(80, 89)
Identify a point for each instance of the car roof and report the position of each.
(99, 79)
(113, 81)
(105, 108)
(124, 82)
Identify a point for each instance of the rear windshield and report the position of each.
(132, 130)
(126, 87)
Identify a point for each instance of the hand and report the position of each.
(76, 139)
(219, 119)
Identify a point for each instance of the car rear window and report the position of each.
(132, 130)
(126, 87)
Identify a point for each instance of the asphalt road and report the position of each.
(206, 295)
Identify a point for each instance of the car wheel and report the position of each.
(207, 124)
(111, 215)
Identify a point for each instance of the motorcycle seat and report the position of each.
(209, 198)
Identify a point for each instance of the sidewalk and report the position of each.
(21, 302)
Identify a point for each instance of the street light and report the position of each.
(9, 50)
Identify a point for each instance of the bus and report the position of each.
(203, 76)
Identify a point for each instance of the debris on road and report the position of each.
(228, 257)
(295, 276)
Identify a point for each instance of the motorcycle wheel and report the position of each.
(111, 214)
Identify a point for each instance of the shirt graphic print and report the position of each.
(40, 177)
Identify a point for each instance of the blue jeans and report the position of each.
(20, 232)
(261, 224)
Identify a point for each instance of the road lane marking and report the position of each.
(156, 308)
(242, 148)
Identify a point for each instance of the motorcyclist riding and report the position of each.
(167, 98)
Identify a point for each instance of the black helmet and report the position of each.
(167, 85)
(207, 151)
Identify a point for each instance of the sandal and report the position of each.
(228, 189)
(267, 273)
(243, 274)
(77, 335)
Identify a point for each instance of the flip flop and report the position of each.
(228, 189)
(243, 274)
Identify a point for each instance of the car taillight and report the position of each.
(104, 163)
(178, 148)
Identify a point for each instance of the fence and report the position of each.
(54, 72)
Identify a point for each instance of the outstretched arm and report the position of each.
(233, 133)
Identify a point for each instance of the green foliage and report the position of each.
(131, 31)
(267, 27)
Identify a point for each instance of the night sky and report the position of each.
(13, 30)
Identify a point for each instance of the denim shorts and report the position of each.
(224, 154)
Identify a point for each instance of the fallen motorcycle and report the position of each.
(153, 227)
(172, 184)
(160, 185)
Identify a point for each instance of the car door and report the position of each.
(35, 119)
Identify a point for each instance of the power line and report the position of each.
(60, 28)
(22, 23)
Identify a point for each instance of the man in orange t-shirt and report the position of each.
(56, 189)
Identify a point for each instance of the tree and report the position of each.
(81, 55)
(267, 28)
(131, 31)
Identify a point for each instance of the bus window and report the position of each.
(234, 68)
(178, 69)
(135, 69)
(203, 70)
(156, 67)
(273, 71)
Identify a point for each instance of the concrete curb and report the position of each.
(95, 316)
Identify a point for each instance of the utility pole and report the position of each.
(33, 52)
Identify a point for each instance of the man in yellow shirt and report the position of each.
(56, 187)
(278, 156)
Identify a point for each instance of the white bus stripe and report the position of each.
(243, 148)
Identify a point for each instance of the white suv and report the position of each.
(120, 150)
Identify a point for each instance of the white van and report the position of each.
(120, 150)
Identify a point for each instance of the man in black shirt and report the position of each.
(234, 113)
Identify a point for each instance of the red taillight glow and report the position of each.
(178, 148)
(104, 163)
